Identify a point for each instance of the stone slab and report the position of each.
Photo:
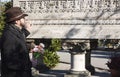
(73, 19)
(76, 75)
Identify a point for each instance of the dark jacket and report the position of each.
(14, 53)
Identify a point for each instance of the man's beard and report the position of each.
(22, 25)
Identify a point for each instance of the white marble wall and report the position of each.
(83, 19)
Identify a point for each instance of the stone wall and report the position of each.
(81, 19)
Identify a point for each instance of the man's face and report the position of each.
(22, 22)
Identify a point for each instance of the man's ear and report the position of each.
(17, 22)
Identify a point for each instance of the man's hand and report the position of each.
(28, 26)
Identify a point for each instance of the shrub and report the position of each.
(51, 59)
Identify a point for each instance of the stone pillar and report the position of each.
(78, 52)
(77, 62)
(78, 66)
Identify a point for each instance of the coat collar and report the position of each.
(15, 30)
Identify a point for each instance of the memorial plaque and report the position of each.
(72, 19)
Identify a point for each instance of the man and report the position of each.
(14, 52)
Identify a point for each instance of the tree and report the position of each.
(3, 8)
(2, 17)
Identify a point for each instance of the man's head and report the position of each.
(14, 13)
(16, 16)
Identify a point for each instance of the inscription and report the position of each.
(61, 6)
